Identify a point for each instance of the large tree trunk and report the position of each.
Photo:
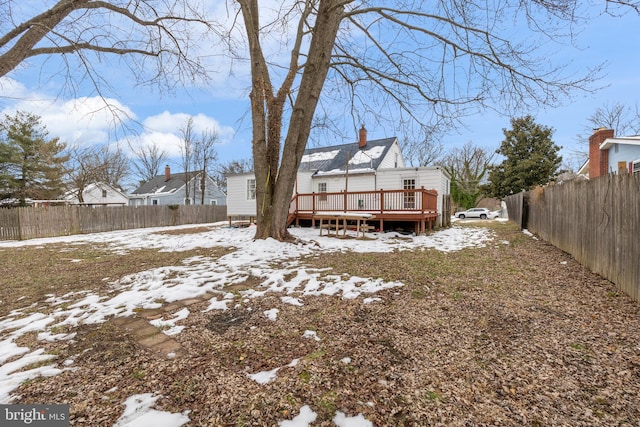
(275, 180)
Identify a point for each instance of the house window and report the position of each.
(104, 193)
(322, 189)
(187, 201)
(154, 202)
(409, 197)
(251, 189)
(214, 202)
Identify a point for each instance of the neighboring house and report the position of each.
(372, 173)
(97, 194)
(170, 189)
(608, 154)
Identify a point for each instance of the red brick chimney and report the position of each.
(598, 159)
(362, 142)
(167, 173)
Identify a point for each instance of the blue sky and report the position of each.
(223, 104)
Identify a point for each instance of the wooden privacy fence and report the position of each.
(597, 222)
(516, 208)
(34, 222)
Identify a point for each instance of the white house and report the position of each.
(98, 194)
(363, 170)
(608, 154)
(171, 189)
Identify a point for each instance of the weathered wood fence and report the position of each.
(31, 222)
(596, 221)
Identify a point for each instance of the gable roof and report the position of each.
(333, 159)
(159, 184)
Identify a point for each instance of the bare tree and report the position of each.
(621, 118)
(467, 166)
(81, 169)
(186, 152)
(149, 160)
(150, 36)
(87, 165)
(425, 150)
(432, 61)
(204, 156)
(114, 166)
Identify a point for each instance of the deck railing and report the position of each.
(419, 201)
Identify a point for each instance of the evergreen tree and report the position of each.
(531, 159)
(31, 164)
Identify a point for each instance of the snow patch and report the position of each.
(306, 417)
(311, 335)
(272, 314)
(138, 413)
(341, 420)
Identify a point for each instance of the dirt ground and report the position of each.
(513, 334)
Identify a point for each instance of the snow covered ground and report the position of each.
(196, 277)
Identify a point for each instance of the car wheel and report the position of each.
(483, 216)
(461, 216)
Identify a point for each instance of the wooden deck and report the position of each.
(417, 206)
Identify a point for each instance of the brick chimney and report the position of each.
(167, 173)
(362, 142)
(598, 159)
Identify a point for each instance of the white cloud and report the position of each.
(163, 131)
(165, 141)
(167, 122)
(172, 122)
(89, 121)
(11, 89)
(82, 121)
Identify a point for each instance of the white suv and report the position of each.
(482, 213)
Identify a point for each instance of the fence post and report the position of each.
(19, 225)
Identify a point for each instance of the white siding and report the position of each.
(304, 183)
(93, 193)
(355, 182)
(362, 182)
(237, 202)
(394, 154)
(431, 178)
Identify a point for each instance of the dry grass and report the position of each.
(510, 334)
(30, 273)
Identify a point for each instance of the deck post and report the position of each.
(344, 205)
